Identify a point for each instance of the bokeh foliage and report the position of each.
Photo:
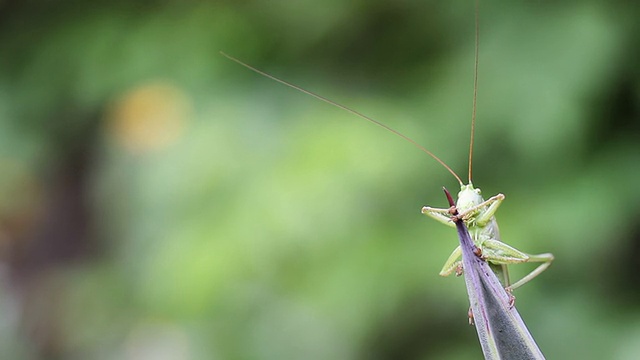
(159, 201)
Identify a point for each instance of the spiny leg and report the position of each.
(440, 215)
(545, 259)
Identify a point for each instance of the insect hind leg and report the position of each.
(545, 259)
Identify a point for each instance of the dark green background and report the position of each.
(253, 222)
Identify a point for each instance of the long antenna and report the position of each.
(362, 116)
(475, 90)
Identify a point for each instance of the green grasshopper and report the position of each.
(477, 213)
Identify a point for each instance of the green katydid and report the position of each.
(477, 213)
(478, 216)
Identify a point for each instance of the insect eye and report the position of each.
(478, 191)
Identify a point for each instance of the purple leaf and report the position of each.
(502, 333)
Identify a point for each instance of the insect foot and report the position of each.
(478, 252)
(512, 299)
(459, 270)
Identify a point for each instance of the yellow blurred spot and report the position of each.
(149, 117)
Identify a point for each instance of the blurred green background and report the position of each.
(161, 202)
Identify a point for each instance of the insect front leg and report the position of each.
(485, 216)
(441, 215)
